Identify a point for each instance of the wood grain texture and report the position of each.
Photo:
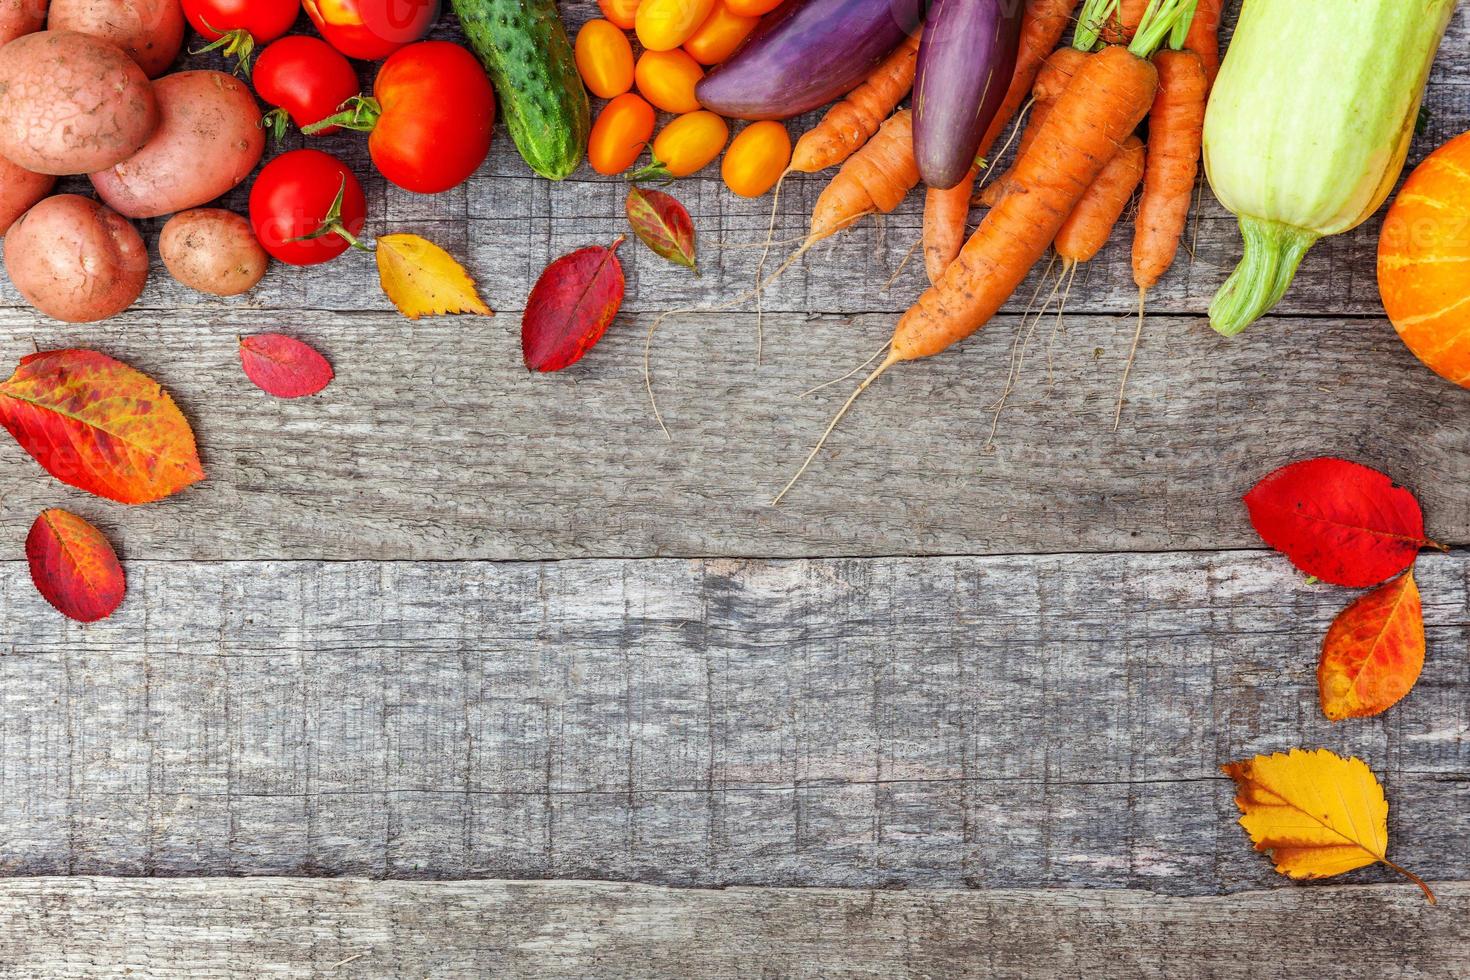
(93, 927)
(962, 723)
(434, 443)
(509, 224)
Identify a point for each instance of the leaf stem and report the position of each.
(1414, 878)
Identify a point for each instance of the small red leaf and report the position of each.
(99, 425)
(663, 224)
(571, 307)
(1339, 521)
(284, 367)
(74, 567)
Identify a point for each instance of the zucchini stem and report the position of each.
(1273, 251)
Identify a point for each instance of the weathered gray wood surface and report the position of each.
(434, 443)
(305, 928)
(970, 722)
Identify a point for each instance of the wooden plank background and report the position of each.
(450, 621)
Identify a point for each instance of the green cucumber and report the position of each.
(526, 51)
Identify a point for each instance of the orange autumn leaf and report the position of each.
(99, 425)
(1374, 651)
(1318, 814)
(424, 280)
(74, 567)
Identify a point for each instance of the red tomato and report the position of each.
(305, 78)
(371, 29)
(436, 111)
(306, 207)
(239, 26)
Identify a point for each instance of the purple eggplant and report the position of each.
(966, 58)
(806, 53)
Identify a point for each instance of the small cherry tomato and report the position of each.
(238, 27)
(752, 8)
(685, 145)
(622, 130)
(431, 117)
(667, 79)
(757, 158)
(307, 208)
(305, 79)
(623, 13)
(665, 24)
(371, 30)
(719, 35)
(604, 59)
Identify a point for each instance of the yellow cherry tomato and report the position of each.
(688, 143)
(757, 158)
(719, 35)
(623, 13)
(667, 79)
(665, 24)
(752, 8)
(622, 130)
(604, 58)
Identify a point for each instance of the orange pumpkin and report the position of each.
(1424, 261)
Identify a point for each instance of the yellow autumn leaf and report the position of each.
(1317, 813)
(424, 280)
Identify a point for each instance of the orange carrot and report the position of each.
(875, 178)
(1130, 12)
(1176, 123)
(850, 123)
(946, 218)
(1204, 36)
(1087, 230)
(1056, 73)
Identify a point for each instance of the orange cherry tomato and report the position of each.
(665, 24)
(667, 79)
(689, 142)
(719, 35)
(752, 8)
(757, 158)
(623, 13)
(622, 130)
(604, 59)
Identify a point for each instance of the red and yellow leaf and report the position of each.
(571, 306)
(424, 280)
(74, 567)
(284, 367)
(663, 224)
(1374, 651)
(99, 425)
(1339, 521)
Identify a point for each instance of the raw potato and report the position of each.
(19, 190)
(213, 251)
(75, 260)
(209, 140)
(149, 31)
(20, 17)
(72, 104)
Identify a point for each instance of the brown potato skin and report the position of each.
(75, 260)
(19, 191)
(208, 141)
(213, 251)
(71, 103)
(149, 31)
(20, 17)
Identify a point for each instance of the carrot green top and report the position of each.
(1163, 19)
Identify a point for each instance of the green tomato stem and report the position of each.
(1273, 251)
(239, 44)
(361, 117)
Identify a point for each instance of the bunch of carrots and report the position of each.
(1078, 164)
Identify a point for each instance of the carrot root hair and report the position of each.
(1132, 353)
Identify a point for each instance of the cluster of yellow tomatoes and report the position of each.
(679, 40)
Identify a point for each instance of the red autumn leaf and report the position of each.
(1339, 521)
(571, 307)
(74, 567)
(284, 367)
(99, 425)
(1374, 651)
(663, 224)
